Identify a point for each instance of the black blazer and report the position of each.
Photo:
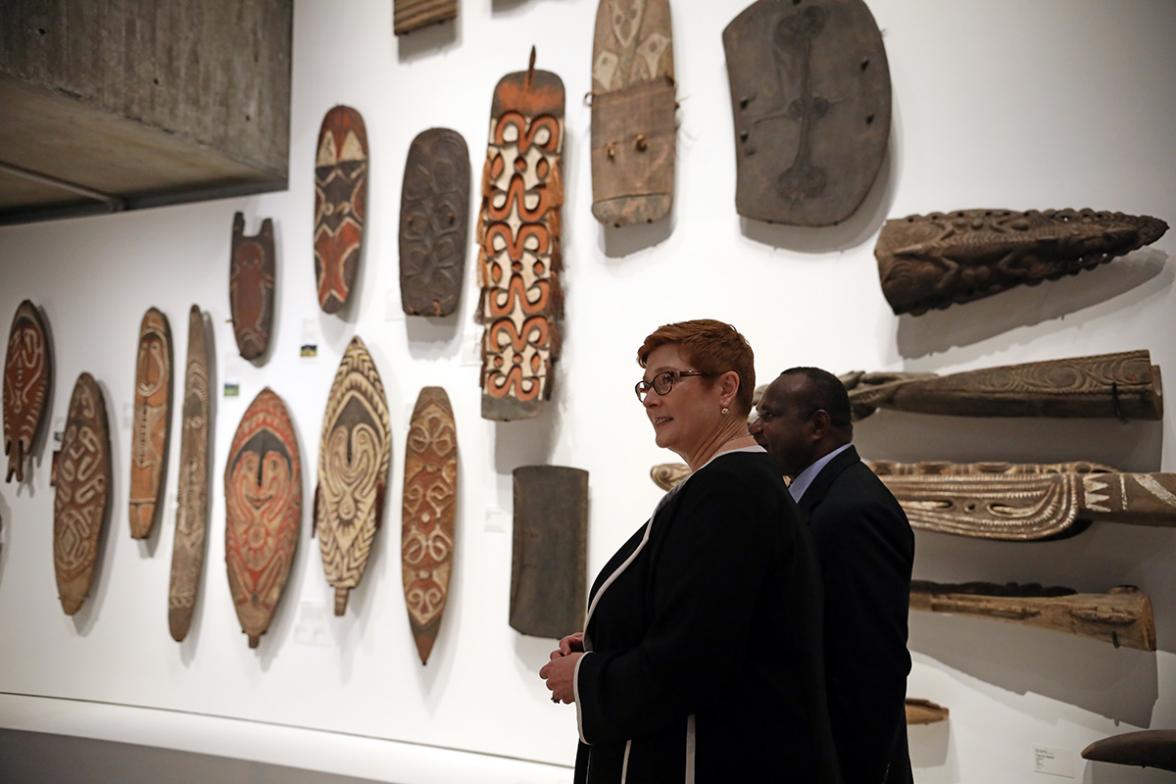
(866, 548)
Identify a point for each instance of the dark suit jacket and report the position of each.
(865, 547)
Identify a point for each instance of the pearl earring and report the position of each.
(726, 410)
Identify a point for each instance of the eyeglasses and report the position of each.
(663, 382)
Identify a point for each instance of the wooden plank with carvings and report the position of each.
(263, 510)
(409, 15)
(354, 456)
(81, 505)
(1145, 749)
(428, 532)
(1122, 616)
(519, 257)
(192, 486)
(340, 205)
(252, 277)
(28, 377)
(920, 711)
(941, 259)
(151, 425)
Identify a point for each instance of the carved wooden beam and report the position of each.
(1147, 749)
(924, 711)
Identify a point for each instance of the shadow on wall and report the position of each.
(426, 41)
(929, 747)
(1106, 773)
(5, 525)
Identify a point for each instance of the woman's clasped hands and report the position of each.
(560, 672)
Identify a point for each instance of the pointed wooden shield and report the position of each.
(28, 374)
(340, 204)
(263, 506)
(152, 421)
(192, 507)
(427, 533)
(810, 93)
(354, 455)
(252, 275)
(1146, 749)
(81, 505)
(549, 560)
(409, 15)
(633, 132)
(519, 237)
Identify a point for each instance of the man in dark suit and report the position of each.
(865, 548)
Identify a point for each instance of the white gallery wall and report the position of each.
(997, 103)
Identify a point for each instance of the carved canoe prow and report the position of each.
(1146, 748)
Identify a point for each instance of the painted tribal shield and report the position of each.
(192, 509)
(263, 504)
(252, 276)
(152, 421)
(354, 455)
(81, 505)
(427, 533)
(434, 223)
(340, 204)
(28, 375)
(519, 238)
(810, 94)
(633, 132)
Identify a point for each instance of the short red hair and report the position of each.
(714, 347)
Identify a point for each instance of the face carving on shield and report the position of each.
(340, 205)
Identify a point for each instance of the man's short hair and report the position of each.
(825, 391)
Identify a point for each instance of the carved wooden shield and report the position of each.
(192, 507)
(152, 421)
(252, 274)
(434, 223)
(263, 506)
(409, 15)
(340, 204)
(633, 132)
(519, 238)
(28, 374)
(1146, 748)
(354, 455)
(549, 561)
(81, 505)
(427, 533)
(810, 94)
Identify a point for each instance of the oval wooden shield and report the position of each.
(152, 421)
(810, 93)
(28, 374)
(340, 204)
(252, 276)
(434, 223)
(354, 456)
(81, 505)
(263, 506)
(192, 508)
(427, 533)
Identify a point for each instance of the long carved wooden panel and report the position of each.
(810, 94)
(633, 106)
(1122, 616)
(28, 376)
(519, 244)
(152, 422)
(263, 507)
(940, 259)
(252, 276)
(409, 15)
(354, 455)
(340, 205)
(428, 523)
(919, 711)
(549, 559)
(192, 486)
(1145, 749)
(81, 505)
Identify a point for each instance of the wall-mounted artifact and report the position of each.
(81, 506)
(263, 507)
(1125, 385)
(1146, 749)
(666, 475)
(340, 204)
(924, 711)
(1025, 501)
(633, 106)
(941, 259)
(549, 560)
(1122, 616)
(192, 486)
(810, 95)
(252, 276)
(152, 422)
(428, 521)
(519, 237)
(434, 223)
(409, 15)
(354, 455)
(28, 374)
